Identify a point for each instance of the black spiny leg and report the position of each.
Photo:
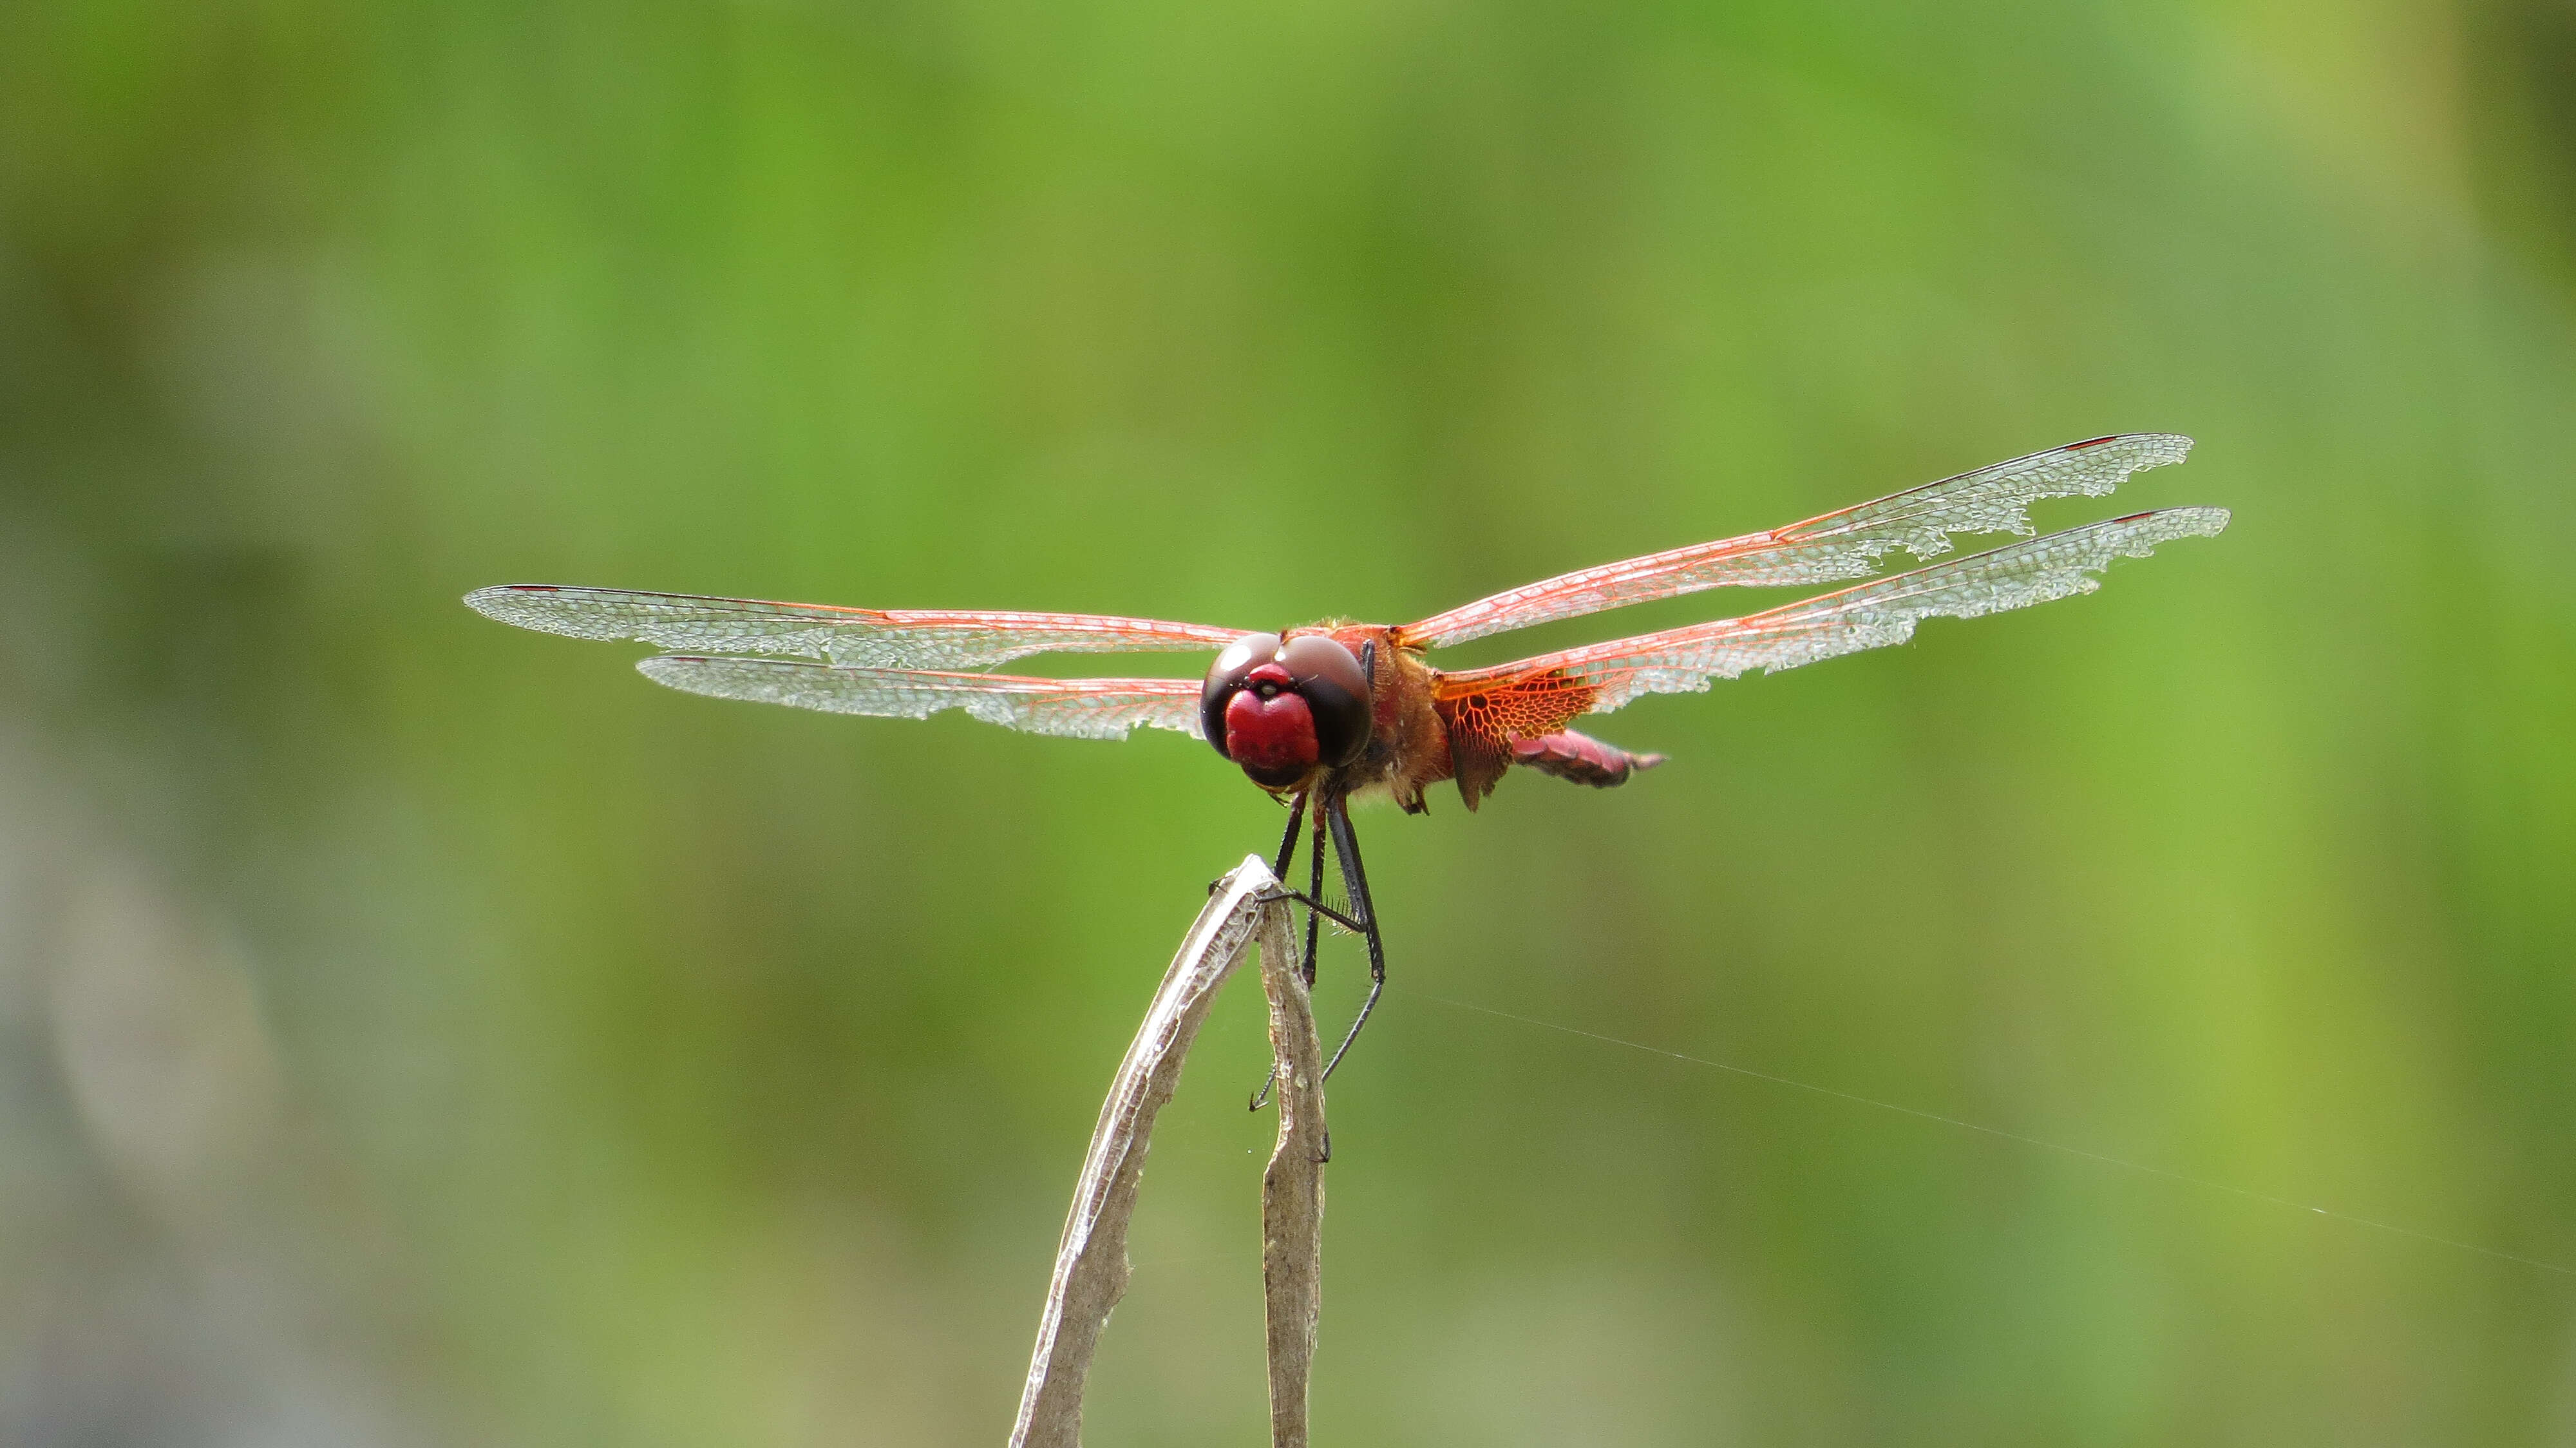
(1313, 898)
(1314, 892)
(1346, 847)
(1368, 671)
(1287, 846)
(1315, 885)
(1288, 841)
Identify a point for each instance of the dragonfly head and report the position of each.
(1279, 709)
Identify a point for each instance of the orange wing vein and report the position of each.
(1540, 695)
(1074, 708)
(871, 638)
(1837, 546)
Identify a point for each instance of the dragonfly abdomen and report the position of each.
(1581, 758)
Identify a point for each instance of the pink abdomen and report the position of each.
(1581, 758)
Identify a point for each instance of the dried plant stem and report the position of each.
(1091, 1268)
(1292, 1189)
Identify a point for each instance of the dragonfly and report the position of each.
(1325, 713)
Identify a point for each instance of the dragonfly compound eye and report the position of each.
(1336, 691)
(1227, 676)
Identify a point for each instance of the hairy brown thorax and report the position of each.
(1408, 747)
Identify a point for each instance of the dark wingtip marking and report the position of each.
(2093, 442)
(2134, 517)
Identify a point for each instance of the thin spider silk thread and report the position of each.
(1996, 1131)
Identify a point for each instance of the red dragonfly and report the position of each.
(1319, 714)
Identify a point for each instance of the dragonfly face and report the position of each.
(1280, 709)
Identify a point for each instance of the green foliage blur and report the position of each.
(418, 1031)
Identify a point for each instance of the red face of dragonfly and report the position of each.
(1280, 708)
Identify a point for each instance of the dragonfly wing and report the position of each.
(872, 638)
(1075, 708)
(1847, 544)
(1488, 710)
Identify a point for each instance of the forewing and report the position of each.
(1075, 708)
(1836, 546)
(871, 638)
(1539, 694)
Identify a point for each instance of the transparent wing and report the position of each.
(1076, 708)
(874, 638)
(1546, 690)
(1836, 546)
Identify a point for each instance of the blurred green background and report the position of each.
(415, 1031)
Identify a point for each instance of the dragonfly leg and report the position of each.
(1315, 911)
(1314, 921)
(1346, 846)
(1288, 841)
(1313, 908)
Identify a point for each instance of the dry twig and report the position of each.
(1292, 1189)
(1091, 1269)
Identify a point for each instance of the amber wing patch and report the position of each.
(1485, 719)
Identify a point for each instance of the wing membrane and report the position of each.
(1847, 544)
(870, 638)
(1602, 677)
(1074, 708)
